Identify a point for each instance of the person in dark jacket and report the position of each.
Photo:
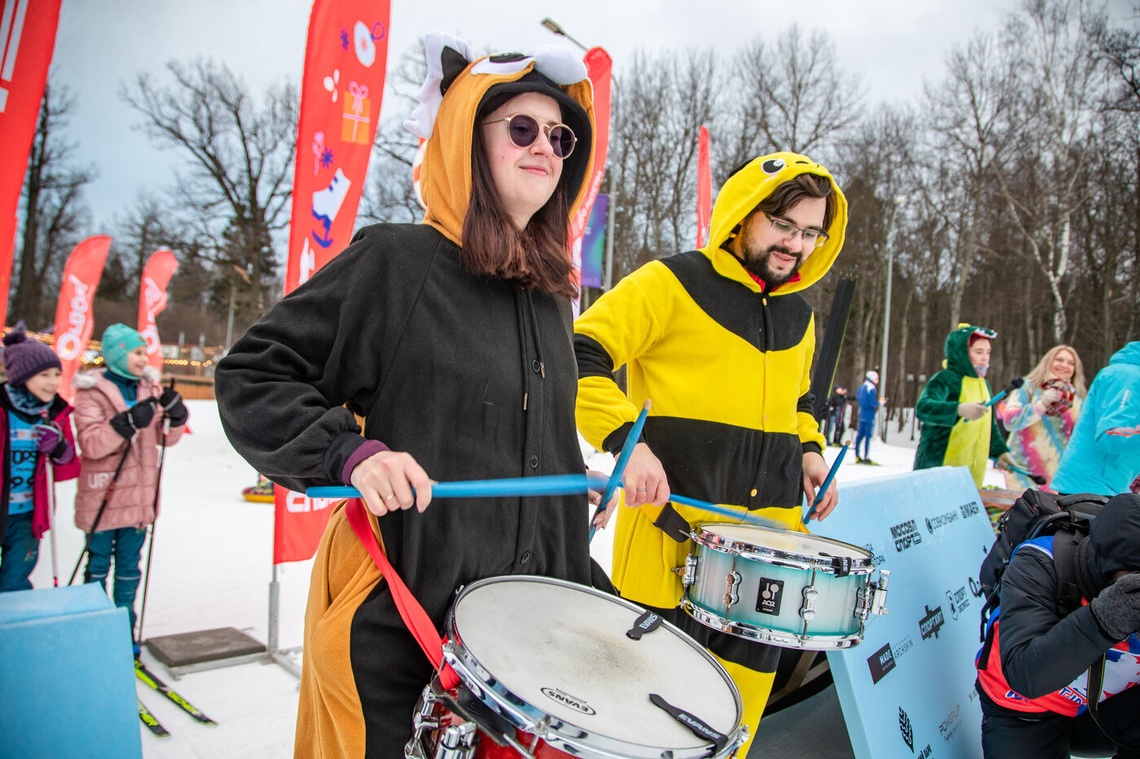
(1034, 684)
(35, 427)
(835, 415)
(452, 339)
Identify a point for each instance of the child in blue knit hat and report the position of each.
(36, 430)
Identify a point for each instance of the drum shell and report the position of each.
(768, 587)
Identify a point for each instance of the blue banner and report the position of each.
(908, 689)
(594, 243)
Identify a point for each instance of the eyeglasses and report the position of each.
(812, 238)
(523, 131)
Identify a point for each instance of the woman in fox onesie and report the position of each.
(452, 340)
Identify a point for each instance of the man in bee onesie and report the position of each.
(721, 341)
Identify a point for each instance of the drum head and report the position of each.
(560, 650)
(811, 549)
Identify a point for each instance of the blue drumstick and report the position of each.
(623, 459)
(717, 509)
(827, 481)
(556, 484)
(1013, 385)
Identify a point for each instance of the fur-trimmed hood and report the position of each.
(88, 380)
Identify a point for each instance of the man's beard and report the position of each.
(757, 263)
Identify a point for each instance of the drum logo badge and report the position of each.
(566, 699)
(771, 596)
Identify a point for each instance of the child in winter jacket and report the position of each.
(35, 428)
(122, 416)
(958, 426)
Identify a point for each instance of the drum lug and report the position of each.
(873, 598)
(687, 573)
(457, 741)
(807, 611)
(732, 582)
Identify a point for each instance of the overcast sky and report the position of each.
(894, 45)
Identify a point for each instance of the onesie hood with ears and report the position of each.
(957, 348)
(740, 195)
(455, 95)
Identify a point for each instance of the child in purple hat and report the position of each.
(35, 428)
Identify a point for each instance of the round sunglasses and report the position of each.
(523, 131)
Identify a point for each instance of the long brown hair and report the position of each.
(534, 258)
(1041, 371)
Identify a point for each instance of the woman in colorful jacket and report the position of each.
(35, 427)
(120, 418)
(958, 427)
(1040, 416)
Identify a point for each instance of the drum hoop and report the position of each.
(762, 635)
(790, 559)
(551, 729)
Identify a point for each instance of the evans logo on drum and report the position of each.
(566, 699)
(771, 596)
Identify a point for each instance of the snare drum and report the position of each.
(547, 669)
(786, 588)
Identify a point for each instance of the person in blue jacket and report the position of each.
(868, 397)
(1104, 452)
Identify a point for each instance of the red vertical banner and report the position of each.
(346, 59)
(27, 40)
(74, 320)
(704, 187)
(160, 267)
(345, 64)
(599, 67)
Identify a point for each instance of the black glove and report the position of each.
(1117, 608)
(128, 422)
(176, 411)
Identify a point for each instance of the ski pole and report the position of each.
(51, 521)
(99, 514)
(154, 524)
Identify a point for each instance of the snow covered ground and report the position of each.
(212, 567)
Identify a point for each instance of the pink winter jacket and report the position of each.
(133, 502)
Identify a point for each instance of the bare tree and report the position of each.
(240, 159)
(969, 115)
(1060, 85)
(792, 97)
(54, 213)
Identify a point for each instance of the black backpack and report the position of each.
(1034, 514)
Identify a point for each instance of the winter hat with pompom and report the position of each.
(24, 358)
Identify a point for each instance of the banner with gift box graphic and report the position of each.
(357, 113)
(341, 90)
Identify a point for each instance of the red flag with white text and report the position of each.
(160, 267)
(345, 63)
(704, 187)
(27, 40)
(74, 317)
